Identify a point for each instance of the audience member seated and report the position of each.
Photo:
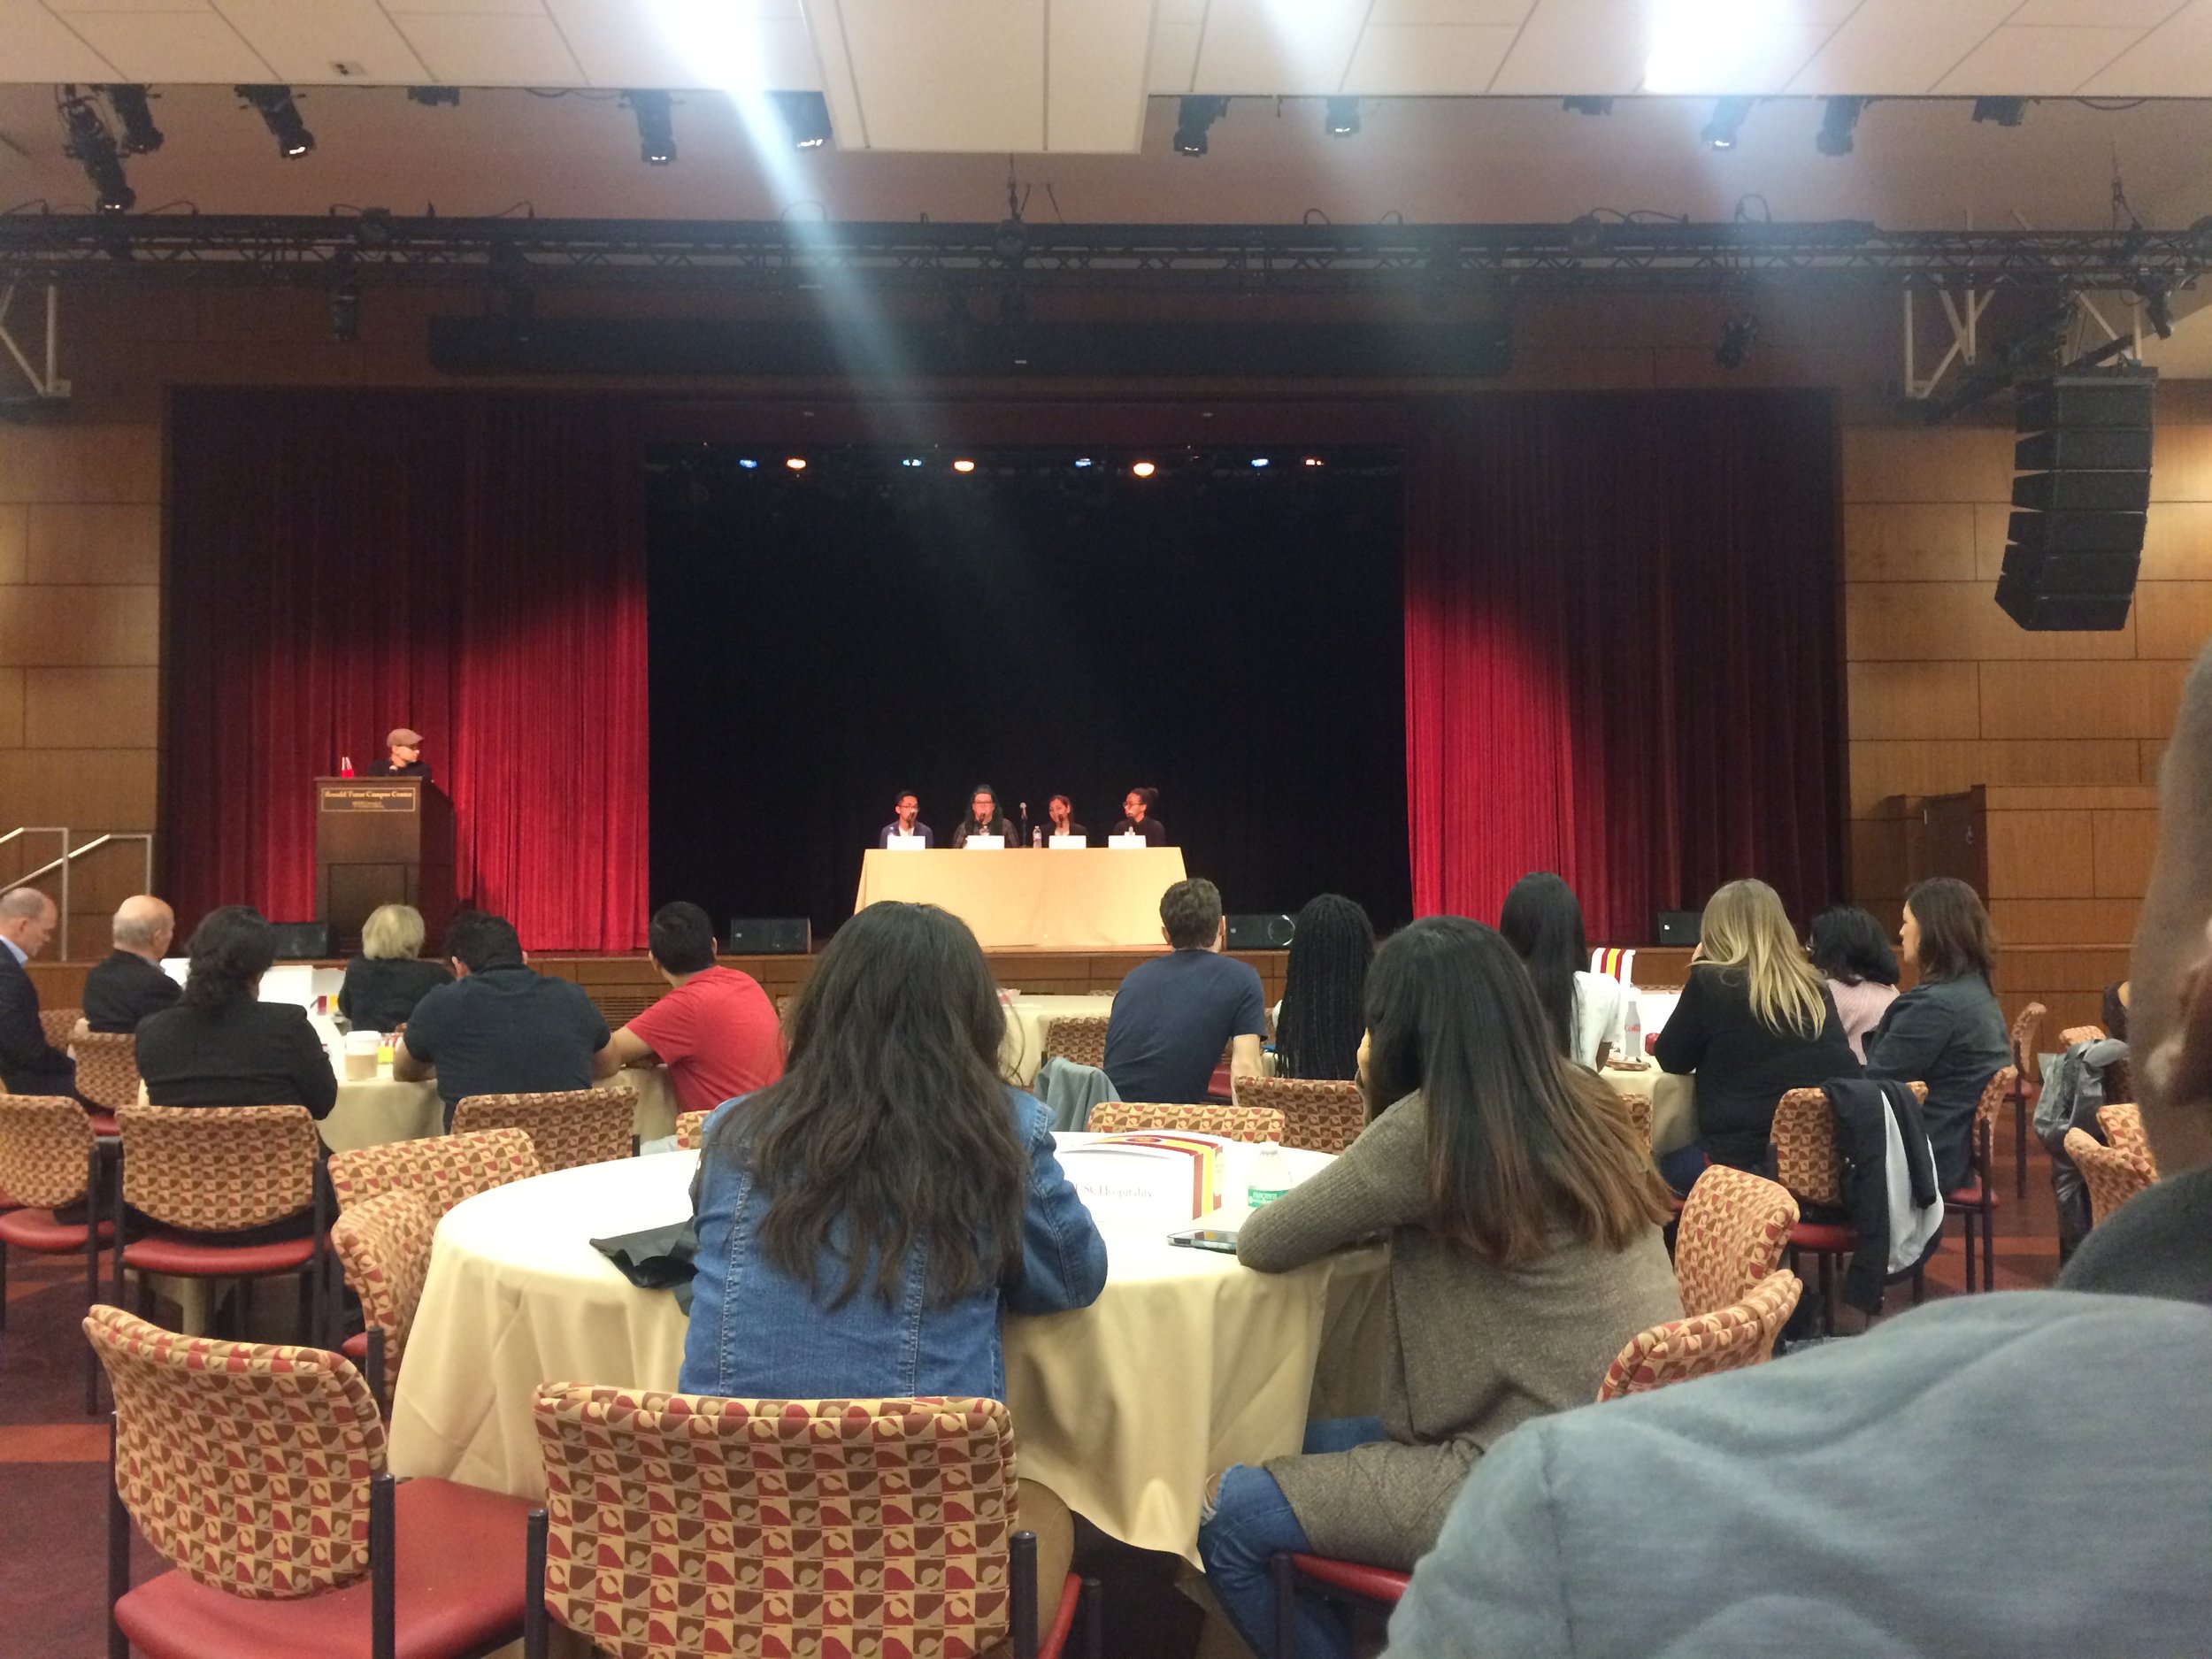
(221, 1046)
(125, 985)
(499, 1028)
(1947, 1031)
(867, 1222)
(1173, 1015)
(1853, 954)
(383, 983)
(29, 1064)
(2115, 1013)
(1323, 1009)
(716, 1030)
(1755, 1020)
(1542, 921)
(1524, 1226)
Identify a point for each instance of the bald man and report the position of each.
(129, 984)
(29, 1064)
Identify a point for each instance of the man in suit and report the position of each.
(28, 1064)
(129, 984)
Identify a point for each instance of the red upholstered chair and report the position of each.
(2027, 1084)
(1340, 1580)
(257, 1472)
(1080, 1038)
(569, 1127)
(441, 1170)
(1975, 1204)
(1319, 1114)
(1733, 1228)
(194, 1171)
(777, 1495)
(689, 1126)
(49, 1159)
(1728, 1339)
(1249, 1124)
(1807, 1166)
(2121, 1124)
(383, 1243)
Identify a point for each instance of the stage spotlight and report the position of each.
(1143, 469)
(963, 465)
(1259, 460)
(1340, 119)
(432, 98)
(90, 144)
(656, 127)
(796, 463)
(141, 136)
(1193, 116)
(2159, 310)
(748, 464)
(806, 115)
(1728, 119)
(1738, 335)
(1836, 126)
(1082, 460)
(1587, 106)
(2004, 111)
(281, 117)
(1313, 460)
(910, 460)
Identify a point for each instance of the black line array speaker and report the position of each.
(2083, 487)
(770, 936)
(1260, 933)
(303, 942)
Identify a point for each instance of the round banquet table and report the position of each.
(1187, 1362)
(1026, 1018)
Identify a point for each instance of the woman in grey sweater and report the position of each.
(1522, 1218)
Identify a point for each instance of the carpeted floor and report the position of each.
(53, 1461)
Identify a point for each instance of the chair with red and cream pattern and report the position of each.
(1639, 1109)
(569, 1127)
(2027, 1031)
(1249, 1124)
(383, 1244)
(2122, 1125)
(1807, 1166)
(1077, 1038)
(1733, 1228)
(906, 1506)
(1735, 1338)
(690, 1129)
(200, 1172)
(50, 1161)
(60, 1024)
(1975, 1204)
(2113, 1174)
(1319, 1114)
(107, 1074)
(258, 1473)
(441, 1170)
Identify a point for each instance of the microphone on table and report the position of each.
(1024, 823)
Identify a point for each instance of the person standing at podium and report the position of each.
(984, 817)
(906, 819)
(403, 749)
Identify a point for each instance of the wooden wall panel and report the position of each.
(90, 708)
(81, 463)
(79, 627)
(15, 541)
(2178, 541)
(2062, 921)
(84, 542)
(2172, 620)
(2041, 701)
(1929, 766)
(1913, 700)
(2040, 855)
(10, 713)
(90, 790)
(1907, 542)
(2125, 845)
(2181, 463)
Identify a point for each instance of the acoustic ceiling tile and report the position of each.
(172, 46)
(1095, 72)
(1898, 47)
(1288, 48)
(952, 75)
(1427, 60)
(2017, 62)
(492, 51)
(467, 8)
(1174, 58)
(1567, 48)
(700, 43)
(302, 40)
(42, 47)
(2174, 60)
(1464, 12)
(2094, 13)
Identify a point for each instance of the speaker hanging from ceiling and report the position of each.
(2083, 461)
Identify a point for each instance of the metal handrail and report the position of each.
(68, 853)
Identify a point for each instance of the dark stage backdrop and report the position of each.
(1622, 651)
(468, 564)
(819, 643)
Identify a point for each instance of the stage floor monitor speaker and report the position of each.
(303, 942)
(770, 936)
(1680, 929)
(1260, 933)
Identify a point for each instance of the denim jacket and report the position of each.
(756, 1333)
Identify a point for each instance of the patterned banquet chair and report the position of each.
(2027, 1031)
(1728, 1339)
(1080, 1038)
(383, 1244)
(258, 1473)
(689, 1126)
(569, 1127)
(2121, 1124)
(1249, 1124)
(1639, 1109)
(1319, 1114)
(1975, 1204)
(107, 1074)
(1809, 1168)
(442, 1169)
(60, 1024)
(49, 1161)
(2113, 1174)
(813, 1526)
(1733, 1228)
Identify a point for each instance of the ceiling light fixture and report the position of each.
(1192, 117)
(1738, 335)
(1586, 106)
(656, 126)
(1838, 125)
(90, 144)
(433, 98)
(141, 136)
(1728, 119)
(1341, 118)
(281, 117)
(807, 116)
(2004, 111)
(1259, 460)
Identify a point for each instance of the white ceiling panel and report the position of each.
(1477, 12)
(952, 75)
(2140, 14)
(466, 8)
(2173, 60)
(1174, 57)
(1899, 46)
(38, 46)
(1590, 46)
(1192, 11)
(492, 51)
(70, 8)
(157, 46)
(1095, 66)
(1286, 47)
(1427, 57)
(301, 39)
(2029, 62)
(697, 44)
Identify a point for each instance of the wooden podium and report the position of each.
(382, 841)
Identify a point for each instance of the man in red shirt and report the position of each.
(716, 1030)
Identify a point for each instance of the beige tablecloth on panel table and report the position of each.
(1187, 1362)
(1673, 1103)
(1024, 898)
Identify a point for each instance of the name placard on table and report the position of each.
(991, 844)
(905, 844)
(1128, 843)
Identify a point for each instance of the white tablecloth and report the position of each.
(1187, 1363)
(1026, 1018)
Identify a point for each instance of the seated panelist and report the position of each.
(1137, 817)
(984, 817)
(906, 819)
(1062, 811)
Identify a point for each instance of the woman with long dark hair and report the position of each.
(1850, 951)
(1523, 1219)
(220, 1045)
(865, 1221)
(1325, 990)
(1542, 920)
(1947, 1031)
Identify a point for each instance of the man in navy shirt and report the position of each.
(1173, 1015)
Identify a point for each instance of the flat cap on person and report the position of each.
(400, 737)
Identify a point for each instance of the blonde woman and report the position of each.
(386, 980)
(1755, 1021)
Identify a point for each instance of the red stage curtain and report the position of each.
(1621, 651)
(468, 564)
